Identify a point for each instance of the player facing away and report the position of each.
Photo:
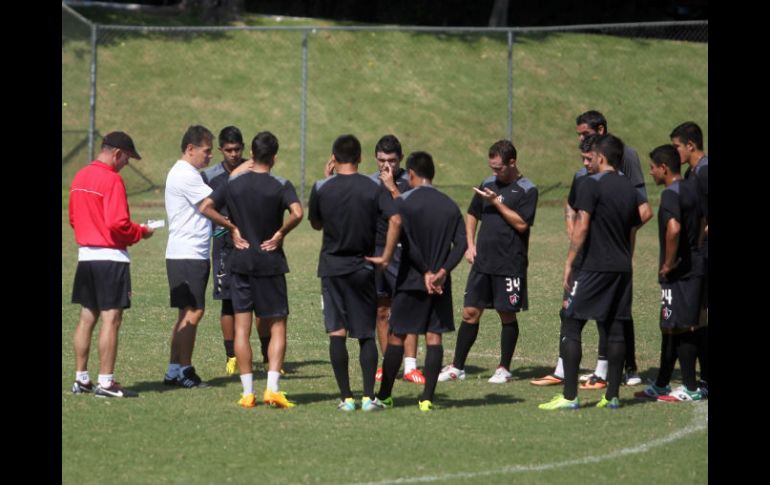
(257, 200)
(346, 206)
(389, 174)
(607, 213)
(505, 204)
(433, 241)
(681, 275)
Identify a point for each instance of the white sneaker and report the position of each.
(633, 380)
(585, 377)
(451, 373)
(501, 376)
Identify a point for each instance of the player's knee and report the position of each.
(471, 315)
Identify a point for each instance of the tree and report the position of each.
(499, 15)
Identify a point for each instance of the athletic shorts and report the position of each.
(187, 279)
(416, 312)
(102, 285)
(350, 302)
(227, 308)
(266, 296)
(503, 293)
(221, 276)
(385, 280)
(680, 303)
(600, 296)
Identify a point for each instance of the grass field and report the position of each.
(479, 432)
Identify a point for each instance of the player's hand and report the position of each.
(487, 193)
(567, 279)
(149, 233)
(273, 243)
(378, 261)
(470, 254)
(238, 241)
(386, 175)
(665, 269)
(329, 168)
(434, 282)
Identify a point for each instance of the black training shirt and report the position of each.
(680, 201)
(401, 179)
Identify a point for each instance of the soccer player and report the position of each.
(346, 206)
(187, 251)
(388, 155)
(98, 213)
(688, 140)
(607, 213)
(505, 203)
(433, 240)
(256, 200)
(681, 277)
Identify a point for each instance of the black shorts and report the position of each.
(503, 293)
(265, 295)
(102, 285)
(680, 303)
(220, 273)
(187, 279)
(416, 312)
(350, 302)
(600, 296)
(385, 280)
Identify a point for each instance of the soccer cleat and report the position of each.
(451, 373)
(585, 377)
(170, 381)
(277, 399)
(387, 403)
(704, 388)
(549, 380)
(681, 394)
(501, 376)
(232, 366)
(613, 403)
(653, 392)
(595, 382)
(113, 390)
(80, 388)
(425, 406)
(416, 376)
(347, 405)
(248, 400)
(559, 402)
(375, 404)
(190, 378)
(632, 379)
(378, 374)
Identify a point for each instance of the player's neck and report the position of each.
(346, 168)
(673, 178)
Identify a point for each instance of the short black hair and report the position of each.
(667, 155)
(421, 163)
(264, 146)
(230, 134)
(611, 147)
(505, 149)
(389, 144)
(347, 149)
(593, 119)
(585, 145)
(197, 135)
(688, 131)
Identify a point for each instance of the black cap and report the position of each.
(119, 139)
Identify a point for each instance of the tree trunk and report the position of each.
(499, 15)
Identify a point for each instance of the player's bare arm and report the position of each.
(470, 234)
(276, 241)
(673, 229)
(391, 239)
(207, 208)
(576, 242)
(509, 215)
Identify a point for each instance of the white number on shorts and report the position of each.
(574, 289)
(510, 283)
(665, 296)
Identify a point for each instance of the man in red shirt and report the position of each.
(98, 213)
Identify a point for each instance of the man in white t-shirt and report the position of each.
(187, 252)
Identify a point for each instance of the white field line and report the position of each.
(699, 422)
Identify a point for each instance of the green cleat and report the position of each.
(388, 403)
(613, 403)
(559, 402)
(425, 406)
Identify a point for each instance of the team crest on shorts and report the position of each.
(514, 299)
(666, 313)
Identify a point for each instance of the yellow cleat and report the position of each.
(232, 366)
(425, 406)
(248, 401)
(277, 399)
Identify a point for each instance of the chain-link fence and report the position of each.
(451, 91)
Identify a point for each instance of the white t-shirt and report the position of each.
(188, 230)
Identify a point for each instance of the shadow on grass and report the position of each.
(490, 399)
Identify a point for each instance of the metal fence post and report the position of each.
(303, 118)
(510, 85)
(92, 101)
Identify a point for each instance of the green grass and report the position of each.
(446, 94)
(201, 436)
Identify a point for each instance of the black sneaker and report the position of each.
(114, 390)
(190, 379)
(170, 381)
(80, 388)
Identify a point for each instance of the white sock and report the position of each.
(105, 380)
(82, 377)
(173, 371)
(272, 380)
(247, 381)
(601, 368)
(559, 372)
(410, 364)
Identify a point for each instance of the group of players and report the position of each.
(390, 242)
